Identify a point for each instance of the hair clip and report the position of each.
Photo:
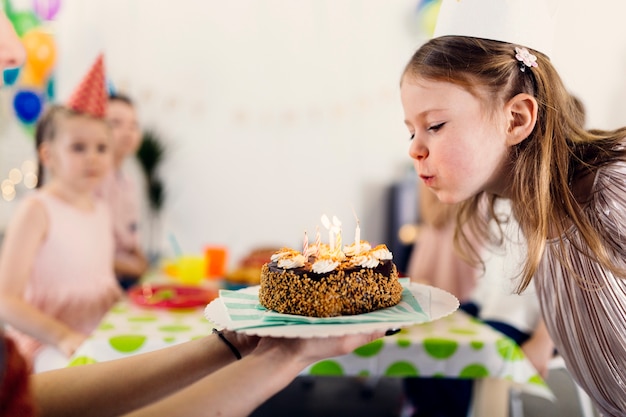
(525, 58)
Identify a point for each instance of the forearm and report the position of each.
(234, 391)
(32, 321)
(131, 263)
(118, 387)
(542, 337)
(539, 348)
(240, 388)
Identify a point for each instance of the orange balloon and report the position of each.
(40, 52)
(30, 78)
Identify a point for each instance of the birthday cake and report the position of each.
(326, 280)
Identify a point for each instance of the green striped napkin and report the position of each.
(245, 312)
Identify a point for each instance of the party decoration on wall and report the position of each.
(40, 54)
(25, 175)
(427, 11)
(27, 105)
(23, 21)
(46, 9)
(10, 75)
(307, 114)
(33, 83)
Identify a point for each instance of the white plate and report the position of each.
(436, 302)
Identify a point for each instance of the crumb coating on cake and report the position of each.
(345, 291)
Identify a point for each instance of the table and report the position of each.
(456, 346)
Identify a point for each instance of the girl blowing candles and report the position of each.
(56, 278)
(490, 118)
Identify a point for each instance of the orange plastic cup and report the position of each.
(216, 259)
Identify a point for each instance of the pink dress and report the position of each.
(586, 315)
(72, 278)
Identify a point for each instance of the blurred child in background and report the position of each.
(434, 260)
(120, 191)
(56, 279)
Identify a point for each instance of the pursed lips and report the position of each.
(427, 179)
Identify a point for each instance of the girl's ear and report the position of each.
(44, 153)
(521, 111)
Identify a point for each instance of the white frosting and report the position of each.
(351, 250)
(324, 265)
(324, 250)
(327, 261)
(381, 252)
(311, 251)
(290, 262)
(283, 253)
(365, 261)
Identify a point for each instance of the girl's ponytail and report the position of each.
(45, 131)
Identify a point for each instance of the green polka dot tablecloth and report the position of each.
(128, 329)
(455, 346)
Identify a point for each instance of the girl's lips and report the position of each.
(428, 179)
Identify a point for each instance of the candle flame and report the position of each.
(325, 221)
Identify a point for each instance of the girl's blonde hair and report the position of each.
(543, 166)
(48, 128)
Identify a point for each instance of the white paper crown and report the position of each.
(528, 23)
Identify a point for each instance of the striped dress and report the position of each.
(586, 312)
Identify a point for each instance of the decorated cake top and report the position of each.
(324, 258)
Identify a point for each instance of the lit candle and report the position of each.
(337, 229)
(305, 245)
(331, 232)
(357, 232)
(338, 239)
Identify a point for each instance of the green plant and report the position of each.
(150, 154)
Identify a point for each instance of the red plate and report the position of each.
(171, 296)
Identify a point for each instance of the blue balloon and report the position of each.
(10, 75)
(27, 105)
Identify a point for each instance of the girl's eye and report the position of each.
(412, 136)
(102, 148)
(78, 147)
(435, 128)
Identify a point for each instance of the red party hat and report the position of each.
(90, 97)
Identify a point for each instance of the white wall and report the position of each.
(591, 57)
(276, 111)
